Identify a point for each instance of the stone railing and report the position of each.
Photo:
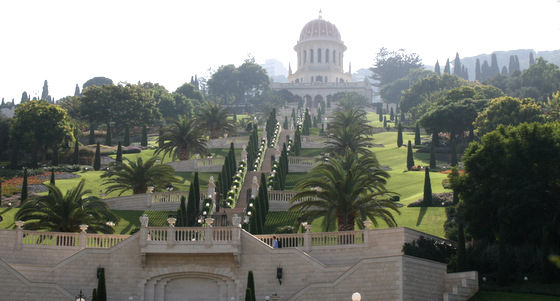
(279, 200)
(65, 239)
(307, 161)
(310, 240)
(169, 196)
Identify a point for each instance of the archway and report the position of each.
(317, 101)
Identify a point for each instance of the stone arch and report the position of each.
(317, 100)
(307, 100)
(189, 283)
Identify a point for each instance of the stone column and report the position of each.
(144, 230)
(254, 186)
(367, 231)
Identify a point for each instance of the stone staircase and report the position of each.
(460, 286)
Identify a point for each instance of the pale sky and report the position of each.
(167, 42)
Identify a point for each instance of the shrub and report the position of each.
(429, 248)
(131, 150)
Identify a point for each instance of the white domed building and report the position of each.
(320, 60)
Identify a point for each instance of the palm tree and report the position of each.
(346, 189)
(138, 176)
(214, 119)
(181, 138)
(352, 137)
(65, 213)
(352, 116)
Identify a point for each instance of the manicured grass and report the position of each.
(7, 217)
(128, 221)
(504, 296)
(275, 219)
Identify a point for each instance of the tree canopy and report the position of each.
(392, 65)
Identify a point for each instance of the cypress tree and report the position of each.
(457, 66)
(91, 135)
(182, 216)
(263, 194)
(447, 68)
(384, 121)
(119, 153)
(454, 153)
(251, 284)
(144, 141)
(432, 156)
(232, 160)
(191, 211)
(485, 72)
(94, 296)
(248, 295)
(196, 186)
(437, 68)
(293, 114)
(52, 181)
(477, 74)
(417, 140)
(504, 71)
(381, 116)
(108, 138)
(77, 91)
(409, 156)
(101, 286)
(285, 125)
(392, 114)
(160, 138)
(97, 158)
(427, 189)
(126, 139)
(24, 186)
(76, 155)
(494, 68)
(399, 136)
(531, 59)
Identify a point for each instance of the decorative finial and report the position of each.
(320, 14)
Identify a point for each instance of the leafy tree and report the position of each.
(507, 110)
(427, 199)
(509, 190)
(189, 91)
(433, 155)
(543, 76)
(252, 78)
(425, 88)
(225, 85)
(97, 157)
(97, 81)
(126, 138)
(108, 138)
(454, 160)
(214, 118)
(349, 100)
(76, 154)
(65, 213)
(183, 137)
(347, 190)
(30, 123)
(137, 176)
(393, 65)
(409, 156)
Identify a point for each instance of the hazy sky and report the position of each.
(167, 42)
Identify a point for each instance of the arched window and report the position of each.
(334, 56)
(340, 59)
(305, 56)
(319, 55)
(326, 79)
(327, 55)
(311, 56)
(319, 78)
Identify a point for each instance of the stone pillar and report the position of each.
(244, 154)
(19, 235)
(367, 231)
(171, 232)
(144, 230)
(254, 186)
(83, 236)
(307, 237)
(211, 189)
